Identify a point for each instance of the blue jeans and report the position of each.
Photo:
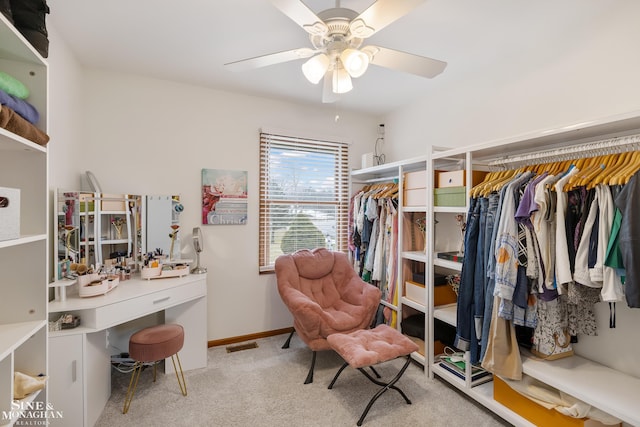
(493, 204)
(465, 331)
(479, 274)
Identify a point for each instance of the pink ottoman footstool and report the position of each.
(368, 347)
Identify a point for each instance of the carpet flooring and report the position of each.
(263, 387)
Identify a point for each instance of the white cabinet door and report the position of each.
(65, 380)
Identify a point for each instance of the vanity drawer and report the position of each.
(125, 310)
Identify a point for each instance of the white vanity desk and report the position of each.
(79, 359)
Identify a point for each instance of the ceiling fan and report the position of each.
(337, 36)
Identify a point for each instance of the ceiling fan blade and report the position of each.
(302, 15)
(328, 95)
(379, 15)
(407, 62)
(271, 59)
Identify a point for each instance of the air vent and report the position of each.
(239, 347)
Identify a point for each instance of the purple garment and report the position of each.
(21, 107)
(522, 216)
(548, 294)
(527, 204)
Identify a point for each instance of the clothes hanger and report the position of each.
(596, 167)
(549, 168)
(633, 168)
(561, 167)
(391, 191)
(497, 186)
(476, 189)
(545, 167)
(579, 164)
(565, 167)
(582, 162)
(382, 188)
(481, 189)
(613, 162)
(618, 178)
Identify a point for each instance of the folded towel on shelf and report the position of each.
(13, 86)
(24, 385)
(20, 106)
(12, 122)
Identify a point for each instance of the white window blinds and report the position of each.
(304, 196)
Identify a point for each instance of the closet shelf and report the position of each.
(388, 304)
(16, 46)
(418, 357)
(448, 313)
(420, 209)
(452, 265)
(14, 142)
(604, 388)
(450, 209)
(414, 304)
(113, 212)
(387, 169)
(23, 240)
(24, 403)
(454, 379)
(415, 255)
(12, 335)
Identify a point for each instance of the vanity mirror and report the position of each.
(97, 229)
(162, 225)
(93, 228)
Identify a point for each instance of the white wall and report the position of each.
(591, 72)
(65, 112)
(145, 136)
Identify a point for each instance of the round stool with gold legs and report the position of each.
(150, 345)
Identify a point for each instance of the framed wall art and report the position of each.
(224, 197)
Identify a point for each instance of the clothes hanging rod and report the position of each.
(591, 149)
(372, 180)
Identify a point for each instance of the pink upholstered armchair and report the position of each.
(325, 296)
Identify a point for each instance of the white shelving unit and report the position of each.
(24, 261)
(395, 172)
(602, 387)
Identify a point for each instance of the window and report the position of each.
(304, 196)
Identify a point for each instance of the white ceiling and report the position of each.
(190, 40)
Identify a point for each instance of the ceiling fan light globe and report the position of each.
(341, 81)
(315, 68)
(355, 62)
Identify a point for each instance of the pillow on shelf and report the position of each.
(13, 86)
